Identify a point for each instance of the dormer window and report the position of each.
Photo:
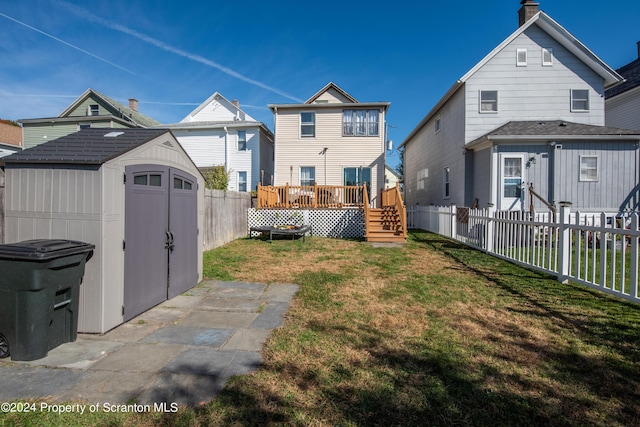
(94, 110)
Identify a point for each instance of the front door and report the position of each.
(160, 236)
(511, 182)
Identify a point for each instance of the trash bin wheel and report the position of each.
(4, 347)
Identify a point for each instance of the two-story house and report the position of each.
(528, 116)
(331, 139)
(622, 102)
(90, 110)
(218, 132)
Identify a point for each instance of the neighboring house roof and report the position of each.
(554, 130)
(86, 147)
(10, 134)
(328, 86)
(119, 112)
(554, 30)
(311, 104)
(631, 74)
(241, 120)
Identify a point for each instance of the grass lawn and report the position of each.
(432, 333)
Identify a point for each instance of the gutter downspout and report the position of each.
(226, 155)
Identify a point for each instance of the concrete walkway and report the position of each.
(181, 351)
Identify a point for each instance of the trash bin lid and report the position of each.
(43, 249)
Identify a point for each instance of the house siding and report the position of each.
(293, 151)
(623, 111)
(205, 147)
(430, 151)
(617, 186)
(532, 91)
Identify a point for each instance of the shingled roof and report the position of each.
(631, 74)
(554, 129)
(86, 147)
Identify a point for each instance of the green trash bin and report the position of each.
(39, 295)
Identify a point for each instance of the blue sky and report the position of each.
(171, 56)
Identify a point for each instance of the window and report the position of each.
(242, 181)
(521, 57)
(547, 57)
(437, 125)
(307, 175)
(588, 168)
(148, 179)
(242, 140)
(181, 184)
(446, 173)
(579, 100)
(488, 101)
(84, 126)
(94, 110)
(307, 124)
(360, 123)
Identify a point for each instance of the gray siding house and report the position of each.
(528, 116)
(90, 110)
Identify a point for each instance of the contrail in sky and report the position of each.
(65, 43)
(83, 13)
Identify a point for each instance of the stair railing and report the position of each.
(365, 208)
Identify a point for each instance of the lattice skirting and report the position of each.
(337, 223)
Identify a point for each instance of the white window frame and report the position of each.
(309, 124)
(437, 125)
(242, 140)
(368, 126)
(495, 102)
(521, 62)
(313, 177)
(93, 110)
(548, 51)
(446, 182)
(584, 177)
(574, 99)
(242, 181)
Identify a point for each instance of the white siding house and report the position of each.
(218, 132)
(503, 125)
(623, 101)
(331, 139)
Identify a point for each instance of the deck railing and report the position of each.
(311, 196)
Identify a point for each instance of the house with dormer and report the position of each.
(218, 132)
(92, 109)
(525, 127)
(331, 139)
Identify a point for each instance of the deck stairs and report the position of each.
(384, 225)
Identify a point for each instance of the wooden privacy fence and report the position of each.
(310, 196)
(596, 250)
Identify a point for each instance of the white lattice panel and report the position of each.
(337, 223)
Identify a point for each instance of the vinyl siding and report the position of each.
(617, 186)
(429, 152)
(205, 147)
(534, 92)
(623, 111)
(293, 151)
(82, 109)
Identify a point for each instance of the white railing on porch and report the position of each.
(597, 250)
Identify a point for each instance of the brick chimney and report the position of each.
(527, 11)
(133, 104)
(236, 103)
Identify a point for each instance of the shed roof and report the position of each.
(86, 147)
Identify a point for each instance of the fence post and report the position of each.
(633, 278)
(454, 223)
(564, 247)
(489, 229)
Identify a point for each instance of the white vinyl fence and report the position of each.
(597, 250)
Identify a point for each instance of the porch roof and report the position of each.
(548, 130)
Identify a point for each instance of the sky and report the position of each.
(171, 56)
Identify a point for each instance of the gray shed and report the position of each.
(133, 193)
